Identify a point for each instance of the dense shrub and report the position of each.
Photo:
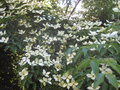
(56, 53)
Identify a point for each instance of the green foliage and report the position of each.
(99, 9)
(112, 80)
(57, 53)
(99, 79)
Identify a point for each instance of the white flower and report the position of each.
(4, 40)
(46, 74)
(23, 73)
(21, 31)
(93, 33)
(33, 32)
(92, 87)
(73, 83)
(41, 63)
(67, 77)
(109, 35)
(68, 85)
(56, 26)
(2, 33)
(116, 9)
(113, 34)
(105, 70)
(92, 76)
(57, 77)
(118, 83)
(93, 49)
(60, 33)
(58, 66)
(2, 9)
(25, 60)
(45, 80)
(70, 57)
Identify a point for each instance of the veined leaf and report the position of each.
(114, 65)
(112, 80)
(104, 86)
(83, 64)
(85, 50)
(99, 79)
(95, 67)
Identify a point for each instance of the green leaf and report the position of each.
(99, 47)
(83, 65)
(114, 65)
(78, 55)
(103, 51)
(80, 84)
(111, 50)
(99, 79)
(112, 80)
(105, 86)
(69, 51)
(85, 50)
(95, 67)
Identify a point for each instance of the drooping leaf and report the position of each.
(85, 50)
(104, 86)
(99, 79)
(95, 67)
(112, 80)
(114, 65)
(83, 65)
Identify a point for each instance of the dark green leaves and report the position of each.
(83, 64)
(112, 80)
(112, 63)
(85, 50)
(95, 67)
(99, 79)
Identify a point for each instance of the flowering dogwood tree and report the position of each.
(54, 51)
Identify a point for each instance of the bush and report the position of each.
(56, 53)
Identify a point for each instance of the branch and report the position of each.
(74, 8)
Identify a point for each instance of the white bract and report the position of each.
(45, 80)
(118, 83)
(105, 70)
(46, 74)
(23, 73)
(91, 75)
(92, 87)
(21, 32)
(4, 40)
(116, 9)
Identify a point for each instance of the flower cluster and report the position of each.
(3, 38)
(105, 70)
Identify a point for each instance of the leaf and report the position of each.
(83, 65)
(99, 79)
(95, 67)
(104, 86)
(111, 50)
(112, 80)
(114, 65)
(80, 84)
(69, 51)
(103, 51)
(85, 50)
(99, 47)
